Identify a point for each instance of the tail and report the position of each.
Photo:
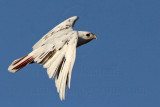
(20, 63)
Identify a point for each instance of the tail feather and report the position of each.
(20, 63)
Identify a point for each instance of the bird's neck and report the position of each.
(81, 41)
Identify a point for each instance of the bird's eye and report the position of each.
(88, 34)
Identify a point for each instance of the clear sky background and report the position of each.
(120, 69)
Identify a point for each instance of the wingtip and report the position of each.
(74, 17)
(62, 98)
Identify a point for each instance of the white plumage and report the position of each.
(56, 51)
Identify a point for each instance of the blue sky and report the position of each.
(120, 69)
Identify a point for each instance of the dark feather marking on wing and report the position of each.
(48, 56)
(61, 28)
(60, 66)
(41, 55)
(66, 42)
(67, 79)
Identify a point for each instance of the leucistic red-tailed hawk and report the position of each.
(56, 51)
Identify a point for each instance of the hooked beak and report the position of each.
(94, 37)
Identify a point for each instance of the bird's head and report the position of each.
(85, 37)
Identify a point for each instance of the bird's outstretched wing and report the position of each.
(65, 26)
(58, 57)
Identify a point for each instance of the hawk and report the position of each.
(56, 51)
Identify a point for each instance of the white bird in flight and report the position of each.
(56, 51)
